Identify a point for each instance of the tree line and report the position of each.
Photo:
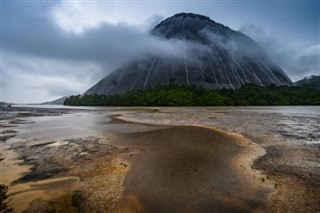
(173, 95)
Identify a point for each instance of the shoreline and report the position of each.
(122, 123)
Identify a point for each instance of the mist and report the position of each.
(296, 60)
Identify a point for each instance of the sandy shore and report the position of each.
(141, 164)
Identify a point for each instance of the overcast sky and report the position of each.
(51, 49)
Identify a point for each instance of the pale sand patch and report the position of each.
(11, 168)
(22, 195)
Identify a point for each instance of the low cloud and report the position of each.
(32, 79)
(296, 61)
(40, 50)
(108, 45)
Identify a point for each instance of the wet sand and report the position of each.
(152, 160)
(188, 169)
(22, 195)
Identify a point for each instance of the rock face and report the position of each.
(208, 54)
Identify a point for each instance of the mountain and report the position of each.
(58, 101)
(5, 104)
(203, 53)
(312, 81)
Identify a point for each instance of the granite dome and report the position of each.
(210, 55)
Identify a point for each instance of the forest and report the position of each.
(173, 95)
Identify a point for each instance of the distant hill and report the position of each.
(58, 101)
(4, 103)
(312, 81)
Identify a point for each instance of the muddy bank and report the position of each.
(194, 166)
(171, 169)
(290, 136)
(188, 169)
(152, 164)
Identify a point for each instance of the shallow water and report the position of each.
(289, 110)
(45, 129)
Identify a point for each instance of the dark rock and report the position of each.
(77, 199)
(40, 173)
(3, 197)
(5, 137)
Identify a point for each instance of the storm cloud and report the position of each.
(38, 50)
(109, 44)
(56, 48)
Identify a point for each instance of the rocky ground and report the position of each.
(95, 163)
